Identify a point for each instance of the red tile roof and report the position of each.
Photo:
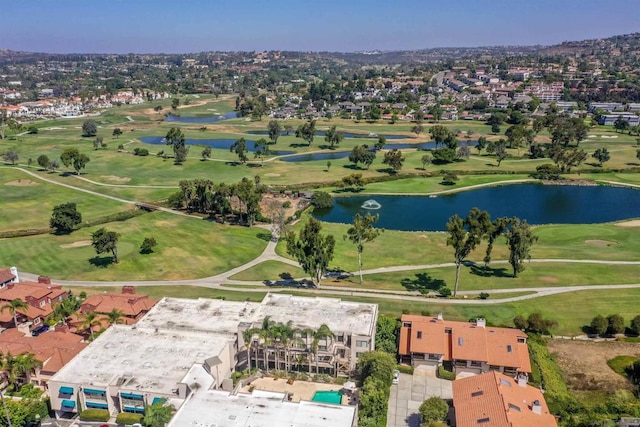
(131, 305)
(466, 341)
(496, 400)
(6, 275)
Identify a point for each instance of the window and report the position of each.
(362, 344)
(36, 321)
(476, 363)
(484, 420)
(509, 349)
(406, 324)
(434, 357)
(340, 338)
(522, 340)
(505, 382)
(514, 407)
(447, 331)
(477, 393)
(42, 303)
(358, 354)
(419, 335)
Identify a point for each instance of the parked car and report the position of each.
(396, 377)
(37, 331)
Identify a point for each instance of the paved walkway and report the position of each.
(411, 391)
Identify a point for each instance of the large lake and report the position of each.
(537, 203)
(223, 144)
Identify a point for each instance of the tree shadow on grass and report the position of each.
(101, 262)
(423, 283)
(482, 271)
(298, 145)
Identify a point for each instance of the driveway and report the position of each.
(412, 390)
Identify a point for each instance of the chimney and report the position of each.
(522, 380)
(128, 289)
(44, 280)
(481, 323)
(439, 315)
(536, 407)
(10, 285)
(14, 271)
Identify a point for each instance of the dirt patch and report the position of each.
(600, 243)
(113, 178)
(584, 363)
(22, 183)
(78, 244)
(272, 175)
(632, 223)
(549, 279)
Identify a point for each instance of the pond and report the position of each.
(333, 155)
(201, 119)
(223, 144)
(323, 133)
(537, 203)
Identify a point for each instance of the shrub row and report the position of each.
(95, 415)
(446, 375)
(127, 418)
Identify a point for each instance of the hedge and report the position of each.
(446, 375)
(128, 418)
(405, 369)
(95, 415)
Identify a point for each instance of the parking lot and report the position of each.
(412, 390)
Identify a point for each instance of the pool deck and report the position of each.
(302, 390)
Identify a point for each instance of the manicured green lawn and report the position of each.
(28, 202)
(269, 270)
(181, 291)
(535, 275)
(187, 248)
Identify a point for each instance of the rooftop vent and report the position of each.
(481, 323)
(536, 407)
(460, 341)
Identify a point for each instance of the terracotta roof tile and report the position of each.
(6, 275)
(131, 305)
(499, 400)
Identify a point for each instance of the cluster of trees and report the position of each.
(277, 338)
(535, 323)
(203, 196)
(613, 324)
(464, 235)
(376, 369)
(261, 148)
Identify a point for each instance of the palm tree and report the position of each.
(247, 336)
(64, 309)
(114, 315)
(90, 320)
(158, 414)
(322, 334)
(14, 306)
(24, 365)
(308, 333)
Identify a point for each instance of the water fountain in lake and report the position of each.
(371, 204)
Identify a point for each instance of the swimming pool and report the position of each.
(334, 397)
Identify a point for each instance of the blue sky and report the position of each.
(141, 26)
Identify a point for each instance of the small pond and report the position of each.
(537, 203)
(201, 119)
(323, 133)
(223, 144)
(333, 155)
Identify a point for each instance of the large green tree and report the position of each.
(393, 158)
(11, 156)
(175, 138)
(72, 157)
(106, 241)
(65, 218)
(240, 148)
(520, 238)
(333, 136)
(307, 131)
(464, 235)
(362, 231)
(89, 128)
(274, 129)
(312, 249)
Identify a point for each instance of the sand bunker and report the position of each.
(632, 223)
(270, 174)
(609, 136)
(113, 178)
(600, 243)
(78, 244)
(21, 183)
